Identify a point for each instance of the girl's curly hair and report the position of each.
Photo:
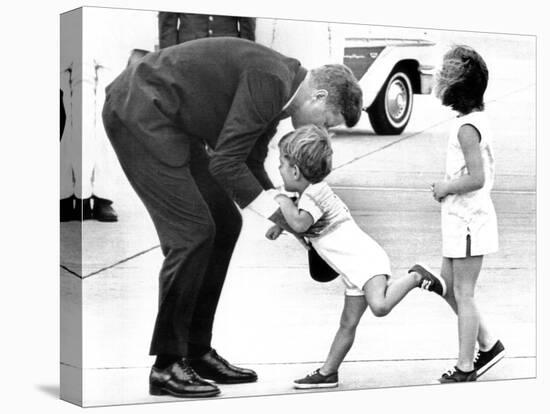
(462, 80)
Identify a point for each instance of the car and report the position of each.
(390, 71)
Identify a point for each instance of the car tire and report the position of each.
(390, 112)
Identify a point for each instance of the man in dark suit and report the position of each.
(176, 28)
(190, 125)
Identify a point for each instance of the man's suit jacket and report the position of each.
(226, 92)
(176, 28)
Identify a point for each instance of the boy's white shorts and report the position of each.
(353, 254)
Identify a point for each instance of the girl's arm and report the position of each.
(298, 220)
(469, 138)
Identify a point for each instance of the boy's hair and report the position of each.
(344, 94)
(309, 148)
(462, 80)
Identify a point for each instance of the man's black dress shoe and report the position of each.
(103, 211)
(213, 367)
(83, 209)
(180, 380)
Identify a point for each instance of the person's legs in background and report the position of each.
(96, 173)
(85, 173)
(70, 155)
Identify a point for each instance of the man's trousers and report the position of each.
(197, 224)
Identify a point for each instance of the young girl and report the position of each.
(320, 215)
(468, 219)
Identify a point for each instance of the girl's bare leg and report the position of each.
(484, 337)
(466, 272)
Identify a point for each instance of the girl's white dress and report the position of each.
(471, 214)
(339, 241)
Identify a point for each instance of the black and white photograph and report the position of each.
(258, 211)
(310, 209)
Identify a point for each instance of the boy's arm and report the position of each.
(469, 139)
(298, 220)
(274, 232)
(278, 218)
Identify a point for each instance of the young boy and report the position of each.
(320, 215)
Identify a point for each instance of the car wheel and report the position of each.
(390, 112)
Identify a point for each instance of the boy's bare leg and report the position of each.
(354, 307)
(484, 338)
(383, 296)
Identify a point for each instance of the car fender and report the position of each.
(386, 54)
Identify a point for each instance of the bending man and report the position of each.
(190, 125)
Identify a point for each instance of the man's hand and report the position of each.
(274, 232)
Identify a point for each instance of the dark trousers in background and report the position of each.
(197, 224)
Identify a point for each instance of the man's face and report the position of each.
(315, 111)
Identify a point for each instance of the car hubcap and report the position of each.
(397, 99)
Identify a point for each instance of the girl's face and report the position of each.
(289, 174)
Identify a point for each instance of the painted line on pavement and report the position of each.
(70, 271)
(414, 190)
(353, 361)
(121, 261)
(110, 266)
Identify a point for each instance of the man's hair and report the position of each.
(135, 55)
(344, 94)
(462, 80)
(309, 148)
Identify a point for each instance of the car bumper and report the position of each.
(427, 79)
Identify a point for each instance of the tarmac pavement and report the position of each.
(273, 318)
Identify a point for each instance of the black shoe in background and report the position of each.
(103, 211)
(179, 380)
(213, 367)
(83, 209)
(67, 211)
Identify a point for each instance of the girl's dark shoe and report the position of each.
(486, 359)
(456, 375)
